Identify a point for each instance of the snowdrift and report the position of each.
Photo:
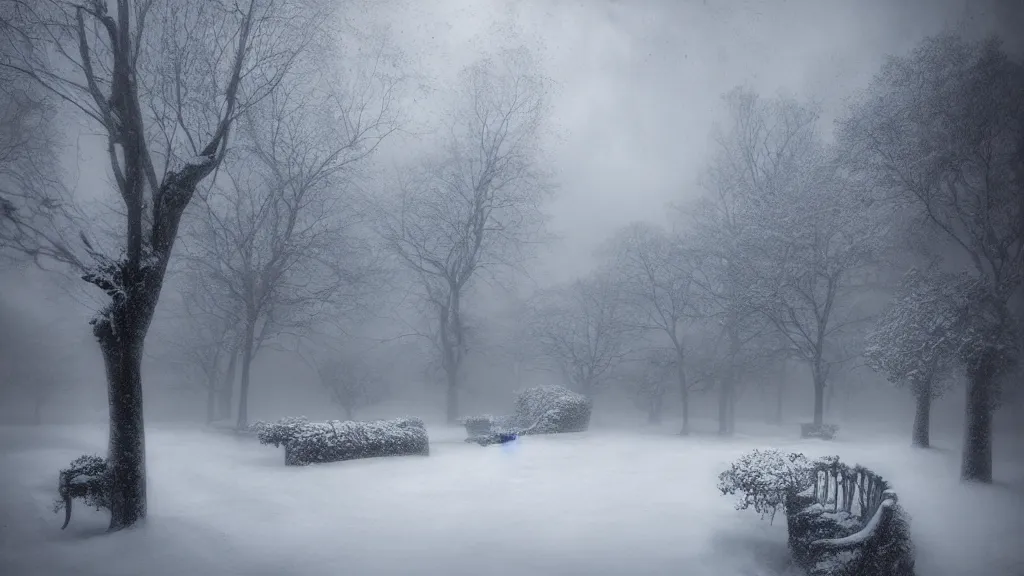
(308, 442)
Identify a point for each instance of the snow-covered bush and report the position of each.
(552, 410)
(822, 431)
(539, 410)
(333, 441)
(87, 478)
(766, 480)
(477, 425)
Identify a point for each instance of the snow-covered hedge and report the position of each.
(87, 478)
(280, 432)
(538, 410)
(842, 520)
(333, 441)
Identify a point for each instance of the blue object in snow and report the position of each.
(509, 442)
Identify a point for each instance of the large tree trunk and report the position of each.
(684, 393)
(654, 410)
(243, 390)
(818, 375)
(922, 418)
(452, 396)
(211, 401)
(227, 390)
(724, 394)
(126, 453)
(452, 349)
(976, 463)
(830, 396)
(780, 395)
(727, 385)
(733, 400)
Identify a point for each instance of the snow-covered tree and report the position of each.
(914, 343)
(940, 132)
(164, 83)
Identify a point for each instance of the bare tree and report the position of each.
(651, 269)
(201, 339)
(941, 131)
(810, 260)
(32, 196)
(350, 378)
(165, 82)
(649, 375)
(280, 239)
(474, 207)
(756, 154)
(584, 329)
(780, 238)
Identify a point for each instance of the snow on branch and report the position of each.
(765, 479)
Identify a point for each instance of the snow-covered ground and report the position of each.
(598, 503)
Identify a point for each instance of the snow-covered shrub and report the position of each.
(87, 478)
(333, 441)
(822, 431)
(552, 410)
(280, 432)
(477, 425)
(766, 480)
(538, 410)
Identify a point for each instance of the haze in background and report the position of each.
(637, 92)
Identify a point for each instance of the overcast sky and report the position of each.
(638, 82)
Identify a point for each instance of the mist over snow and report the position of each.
(515, 286)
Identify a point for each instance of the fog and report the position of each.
(720, 226)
